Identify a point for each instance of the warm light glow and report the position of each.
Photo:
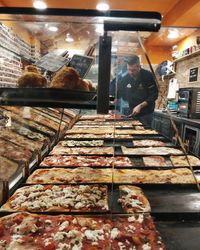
(53, 28)
(69, 39)
(173, 34)
(99, 29)
(39, 4)
(102, 6)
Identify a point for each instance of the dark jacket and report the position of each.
(138, 91)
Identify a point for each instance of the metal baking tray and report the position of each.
(180, 234)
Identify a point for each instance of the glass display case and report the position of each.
(86, 172)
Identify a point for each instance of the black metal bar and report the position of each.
(104, 74)
(81, 12)
(143, 25)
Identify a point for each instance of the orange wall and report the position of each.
(188, 42)
(156, 54)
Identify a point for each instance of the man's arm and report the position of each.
(138, 108)
(152, 96)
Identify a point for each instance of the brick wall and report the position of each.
(183, 67)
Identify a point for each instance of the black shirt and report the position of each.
(136, 91)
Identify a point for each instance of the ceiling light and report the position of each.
(69, 39)
(39, 4)
(53, 28)
(99, 29)
(173, 34)
(102, 6)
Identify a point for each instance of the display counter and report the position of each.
(189, 129)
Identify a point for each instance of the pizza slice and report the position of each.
(151, 151)
(74, 143)
(7, 168)
(154, 161)
(68, 176)
(97, 136)
(137, 231)
(24, 231)
(60, 150)
(133, 200)
(149, 143)
(85, 161)
(181, 161)
(135, 132)
(62, 198)
(38, 231)
(176, 175)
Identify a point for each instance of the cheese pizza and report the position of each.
(133, 200)
(85, 161)
(181, 161)
(62, 198)
(154, 161)
(149, 143)
(75, 175)
(60, 150)
(178, 175)
(151, 151)
(86, 130)
(95, 136)
(22, 231)
(135, 132)
(73, 143)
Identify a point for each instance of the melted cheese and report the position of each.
(114, 233)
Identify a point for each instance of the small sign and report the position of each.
(52, 62)
(82, 64)
(193, 75)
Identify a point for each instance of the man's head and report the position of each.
(133, 66)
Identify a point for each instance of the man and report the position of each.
(139, 88)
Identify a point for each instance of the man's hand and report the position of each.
(138, 108)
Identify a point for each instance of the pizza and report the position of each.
(75, 175)
(85, 161)
(149, 143)
(131, 176)
(133, 200)
(181, 161)
(14, 152)
(135, 132)
(151, 151)
(30, 114)
(20, 140)
(7, 168)
(98, 116)
(22, 231)
(137, 231)
(60, 150)
(73, 143)
(139, 128)
(31, 123)
(51, 116)
(118, 123)
(28, 133)
(86, 130)
(95, 136)
(62, 198)
(154, 161)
